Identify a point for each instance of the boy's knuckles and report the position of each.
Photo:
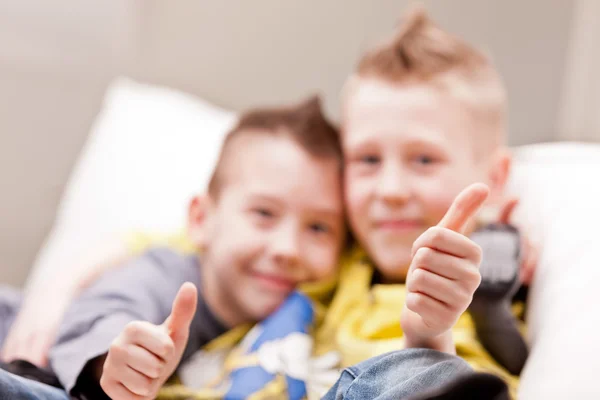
(161, 366)
(419, 279)
(134, 330)
(149, 383)
(423, 256)
(472, 279)
(463, 298)
(414, 247)
(147, 389)
(170, 348)
(155, 370)
(477, 253)
(457, 306)
(467, 301)
(449, 321)
(107, 384)
(155, 387)
(411, 302)
(117, 350)
(416, 302)
(435, 235)
(103, 383)
(166, 349)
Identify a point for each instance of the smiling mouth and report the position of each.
(398, 225)
(275, 283)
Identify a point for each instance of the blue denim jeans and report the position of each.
(397, 375)
(403, 374)
(16, 387)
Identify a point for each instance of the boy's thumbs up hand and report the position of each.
(144, 355)
(177, 325)
(443, 275)
(464, 208)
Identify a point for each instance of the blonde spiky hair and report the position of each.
(422, 52)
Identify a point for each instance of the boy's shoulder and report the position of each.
(158, 269)
(170, 263)
(166, 256)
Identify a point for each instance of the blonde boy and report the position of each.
(423, 116)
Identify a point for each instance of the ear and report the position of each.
(199, 213)
(499, 172)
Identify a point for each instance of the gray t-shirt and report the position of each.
(144, 289)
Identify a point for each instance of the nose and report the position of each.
(393, 185)
(285, 244)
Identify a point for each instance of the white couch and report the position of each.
(152, 148)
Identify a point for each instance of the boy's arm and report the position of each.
(496, 326)
(140, 291)
(49, 292)
(144, 355)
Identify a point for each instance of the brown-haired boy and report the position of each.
(260, 232)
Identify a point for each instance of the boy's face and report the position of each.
(277, 222)
(408, 152)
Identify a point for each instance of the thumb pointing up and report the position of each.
(182, 314)
(465, 207)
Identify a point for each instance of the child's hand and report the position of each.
(36, 326)
(529, 252)
(144, 355)
(443, 275)
(49, 294)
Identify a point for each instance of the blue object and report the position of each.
(294, 316)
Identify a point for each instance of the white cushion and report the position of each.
(149, 151)
(560, 202)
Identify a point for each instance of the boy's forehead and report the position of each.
(255, 151)
(269, 161)
(364, 95)
(407, 109)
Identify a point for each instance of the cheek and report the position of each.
(320, 259)
(437, 197)
(236, 243)
(438, 206)
(328, 264)
(357, 192)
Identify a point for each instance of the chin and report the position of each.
(393, 275)
(394, 267)
(266, 307)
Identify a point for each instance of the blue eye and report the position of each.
(319, 228)
(372, 160)
(263, 212)
(425, 160)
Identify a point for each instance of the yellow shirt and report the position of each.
(363, 321)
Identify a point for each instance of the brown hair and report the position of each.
(304, 123)
(422, 52)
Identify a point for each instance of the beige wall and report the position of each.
(56, 59)
(270, 50)
(579, 117)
